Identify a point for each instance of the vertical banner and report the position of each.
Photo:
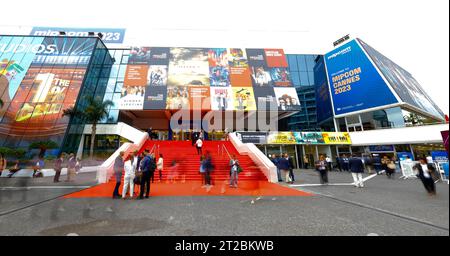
(157, 76)
(239, 70)
(219, 74)
(221, 98)
(445, 135)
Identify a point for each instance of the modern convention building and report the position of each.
(351, 100)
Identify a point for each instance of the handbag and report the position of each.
(392, 166)
(137, 178)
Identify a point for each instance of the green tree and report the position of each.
(96, 110)
(1, 103)
(43, 146)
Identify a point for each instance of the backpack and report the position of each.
(152, 165)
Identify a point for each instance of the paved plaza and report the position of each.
(384, 207)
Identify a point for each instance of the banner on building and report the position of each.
(110, 35)
(339, 138)
(281, 138)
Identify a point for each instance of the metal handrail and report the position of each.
(226, 150)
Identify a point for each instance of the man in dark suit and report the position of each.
(357, 168)
(425, 175)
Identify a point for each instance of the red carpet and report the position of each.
(192, 188)
(252, 182)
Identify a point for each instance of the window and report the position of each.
(301, 63)
(292, 60)
(304, 79)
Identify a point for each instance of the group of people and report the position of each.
(354, 164)
(285, 166)
(139, 170)
(72, 163)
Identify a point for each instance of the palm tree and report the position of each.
(1, 103)
(95, 111)
(43, 146)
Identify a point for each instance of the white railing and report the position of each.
(138, 138)
(258, 157)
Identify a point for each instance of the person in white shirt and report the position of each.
(425, 170)
(199, 144)
(130, 168)
(159, 166)
(329, 163)
(429, 159)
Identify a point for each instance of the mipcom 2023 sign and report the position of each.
(110, 35)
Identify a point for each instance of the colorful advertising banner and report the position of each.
(188, 67)
(155, 98)
(287, 99)
(281, 138)
(221, 98)
(203, 70)
(110, 35)
(39, 78)
(309, 138)
(439, 156)
(243, 99)
(340, 138)
(355, 84)
(239, 69)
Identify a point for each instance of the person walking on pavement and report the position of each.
(306, 161)
(147, 167)
(357, 169)
(199, 145)
(283, 164)
(58, 167)
(329, 163)
(425, 171)
(321, 167)
(118, 171)
(275, 160)
(346, 163)
(128, 181)
(291, 167)
(71, 164)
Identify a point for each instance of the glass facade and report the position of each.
(301, 68)
(115, 82)
(379, 119)
(40, 77)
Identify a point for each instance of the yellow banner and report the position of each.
(337, 138)
(281, 138)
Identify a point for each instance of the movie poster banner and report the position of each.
(239, 69)
(159, 56)
(177, 97)
(309, 138)
(188, 67)
(276, 58)
(155, 98)
(287, 99)
(157, 75)
(261, 76)
(265, 98)
(134, 87)
(281, 138)
(280, 77)
(139, 55)
(337, 138)
(221, 98)
(243, 99)
(199, 98)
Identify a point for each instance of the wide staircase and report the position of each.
(183, 153)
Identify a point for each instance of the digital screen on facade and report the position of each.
(110, 35)
(223, 79)
(404, 84)
(354, 82)
(39, 78)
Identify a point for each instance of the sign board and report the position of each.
(110, 35)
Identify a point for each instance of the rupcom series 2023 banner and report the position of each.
(224, 79)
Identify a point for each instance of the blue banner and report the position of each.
(110, 35)
(439, 156)
(355, 84)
